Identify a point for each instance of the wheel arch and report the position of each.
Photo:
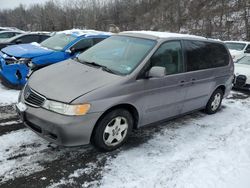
(222, 87)
(132, 109)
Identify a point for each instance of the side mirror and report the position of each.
(18, 41)
(70, 51)
(157, 72)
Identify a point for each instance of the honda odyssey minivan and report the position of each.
(125, 82)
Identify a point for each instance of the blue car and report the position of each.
(17, 61)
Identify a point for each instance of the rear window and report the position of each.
(204, 55)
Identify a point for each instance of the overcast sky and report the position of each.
(14, 3)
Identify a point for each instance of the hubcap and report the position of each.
(216, 102)
(115, 131)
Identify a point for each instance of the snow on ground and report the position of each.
(208, 151)
(196, 150)
(16, 144)
(23, 153)
(7, 96)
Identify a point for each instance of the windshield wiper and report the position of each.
(97, 65)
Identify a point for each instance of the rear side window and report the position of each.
(205, 55)
(29, 38)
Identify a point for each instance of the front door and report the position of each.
(163, 97)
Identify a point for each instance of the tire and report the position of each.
(214, 102)
(112, 130)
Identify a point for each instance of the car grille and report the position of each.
(33, 98)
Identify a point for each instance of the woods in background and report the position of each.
(222, 19)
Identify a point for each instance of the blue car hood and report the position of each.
(26, 50)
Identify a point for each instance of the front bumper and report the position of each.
(240, 82)
(13, 75)
(56, 128)
(59, 129)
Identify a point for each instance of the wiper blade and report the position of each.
(108, 70)
(98, 65)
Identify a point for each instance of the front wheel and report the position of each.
(214, 102)
(113, 130)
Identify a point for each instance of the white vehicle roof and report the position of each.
(79, 32)
(10, 28)
(159, 34)
(11, 31)
(244, 42)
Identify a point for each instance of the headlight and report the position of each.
(30, 64)
(66, 109)
(23, 61)
(17, 61)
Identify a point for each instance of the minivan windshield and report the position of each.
(121, 54)
(58, 42)
(235, 46)
(245, 60)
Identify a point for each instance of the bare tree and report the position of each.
(224, 19)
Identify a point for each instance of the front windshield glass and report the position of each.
(235, 46)
(245, 60)
(121, 54)
(58, 42)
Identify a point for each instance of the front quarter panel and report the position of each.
(50, 59)
(110, 96)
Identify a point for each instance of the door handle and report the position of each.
(182, 83)
(193, 80)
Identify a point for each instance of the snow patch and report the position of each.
(8, 96)
(79, 32)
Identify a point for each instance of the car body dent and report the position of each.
(39, 56)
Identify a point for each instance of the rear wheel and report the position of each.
(214, 102)
(113, 130)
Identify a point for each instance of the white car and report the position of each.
(238, 49)
(242, 73)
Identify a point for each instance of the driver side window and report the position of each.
(169, 56)
(83, 45)
(248, 48)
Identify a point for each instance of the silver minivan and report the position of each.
(127, 81)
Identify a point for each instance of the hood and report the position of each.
(2, 40)
(26, 50)
(242, 69)
(235, 52)
(68, 80)
(236, 55)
